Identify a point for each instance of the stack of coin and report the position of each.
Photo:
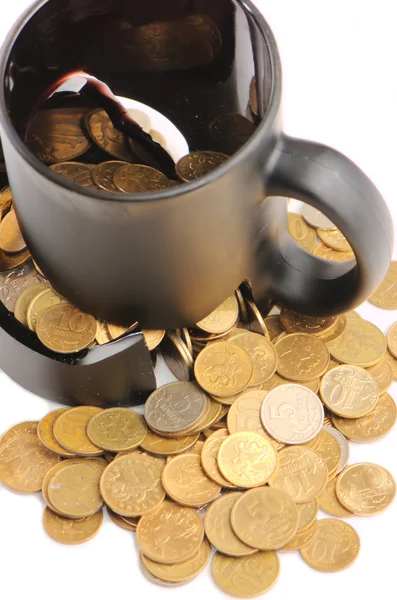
(254, 437)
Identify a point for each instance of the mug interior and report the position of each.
(194, 61)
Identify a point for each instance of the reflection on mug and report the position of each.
(231, 131)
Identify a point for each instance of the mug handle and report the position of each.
(333, 184)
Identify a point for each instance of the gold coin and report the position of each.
(244, 415)
(77, 172)
(386, 295)
(116, 331)
(103, 174)
(211, 418)
(273, 326)
(333, 238)
(295, 322)
(107, 137)
(262, 353)
(362, 344)
(70, 531)
(11, 239)
(329, 450)
(8, 262)
(160, 446)
(292, 414)
(57, 135)
(137, 179)
(349, 391)
(343, 445)
(24, 461)
(121, 521)
(255, 322)
(392, 340)
(70, 430)
(45, 431)
(301, 357)
(153, 337)
(329, 502)
(17, 430)
(170, 535)
(315, 218)
(177, 357)
(186, 483)
(223, 369)
(253, 97)
(175, 407)
(218, 528)
(117, 429)
(301, 473)
(392, 362)
(301, 539)
(186, 339)
(276, 381)
(365, 489)
(73, 489)
(180, 572)
(5, 199)
(382, 374)
(198, 164)
(39, 304)
(243, 313)
(24, 300)
(334, 547)
(307, 514)
(131, 485)
(265, 518)
(209, 459)
(247, 459)
(65, 329)
(323, 251)
(373, 426)
(102, 333)
(304, 236)
(335, 333)
(247, 576)
(222, 318)
(46, 480)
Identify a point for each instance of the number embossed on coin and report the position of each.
(246, 576)
(292, 414)
(303, 235)
(66, 329)
(334, 547)
(349, 391)
(365, 488)
(371, 427)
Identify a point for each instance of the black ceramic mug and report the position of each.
(168, 258)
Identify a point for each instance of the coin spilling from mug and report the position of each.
(242, 438)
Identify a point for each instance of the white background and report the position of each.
(340, 88)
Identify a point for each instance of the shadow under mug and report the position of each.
(169, 258)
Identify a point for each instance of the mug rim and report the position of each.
(252, 144)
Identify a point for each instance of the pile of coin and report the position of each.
(239, 454)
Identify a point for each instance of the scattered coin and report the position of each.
(301, 357)
(185, 481)
(261, 351)
(301, 473)
(362, 344)
(131, 485)
(386, 295)
(343, 445)
(371, 427)
(70, 430)
(329, 502)
(160, 446)
(255, 322)
(334, 239)
(24, 461)
(9, 262)
(117, 429)
(222, 318)
(307, 514)
(365, 489)
(65, 329)
(45, 431)
(198, 164)
(349, 391)
(223, 369)
(170, 535)
(153, 338)
(17, 430)
(209, 458)
(274, 326)
(5, 200)
(43, 300)
(230, 573)
(24, 300)
(107, 137)
(68, 495)
(295, 322)
(323, 251)
(330, 451)
(11, 239)
(103, 174)
(71, 531)
(181, 572)
(15, 282)
(334, 547)
(383, 375)
(301, 539)
(77, 172)
(336, 332)
(292, 414)
(247, 459)
(218, 528)
(265, 518)
(304, 236)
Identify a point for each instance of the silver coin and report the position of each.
(315, 218)
(344, 446)
(13, 283)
